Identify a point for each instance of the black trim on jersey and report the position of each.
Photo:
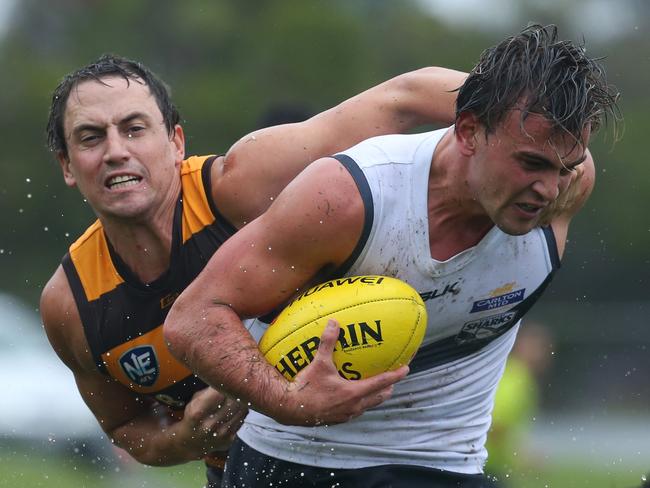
(369, 216)
(86, 313)
(221, 222)
(369, 210)
(551, 242)
(449, 349)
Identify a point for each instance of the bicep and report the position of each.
(111, 403)
(314, 223)
(428, 96)
(407, 101)
(257, 168)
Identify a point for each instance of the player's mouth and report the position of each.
(122, 181)
(530, 209)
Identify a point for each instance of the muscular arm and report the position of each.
(314, 223)
(262, 163)
(142, 427)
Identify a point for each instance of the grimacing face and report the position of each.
(519, 170)
(120, 155)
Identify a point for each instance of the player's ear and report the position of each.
(68, 175)
(178, 140)
(467, 130)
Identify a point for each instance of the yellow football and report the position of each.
(382, 321)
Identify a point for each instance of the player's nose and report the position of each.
(548, 186)
(116, 147)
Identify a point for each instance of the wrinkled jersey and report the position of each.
(439, 414)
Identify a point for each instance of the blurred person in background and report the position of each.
(160, 216)
(474, 216)
(516, 404)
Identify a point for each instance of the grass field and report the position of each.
(27, 468)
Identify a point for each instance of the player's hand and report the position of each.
(566, 199)
(210, 422)
(319, 395)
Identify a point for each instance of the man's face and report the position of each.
(120, 155)
(518, 171)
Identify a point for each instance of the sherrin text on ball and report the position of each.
(382, 322)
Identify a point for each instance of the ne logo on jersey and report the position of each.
(498, 301)
(487, 327)
(141, 365)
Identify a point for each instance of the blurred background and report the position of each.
(230, 62)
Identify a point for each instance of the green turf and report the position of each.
(25, 468)
(571, 475)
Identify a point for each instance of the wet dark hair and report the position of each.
(536, 73)
(106, 65)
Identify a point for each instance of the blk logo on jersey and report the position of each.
(141, 365)
(486, 327)
(440, 292)
(498, 301)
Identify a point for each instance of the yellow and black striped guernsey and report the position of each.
(123, 317)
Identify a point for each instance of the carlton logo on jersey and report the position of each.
(498, 301)
(141, 365)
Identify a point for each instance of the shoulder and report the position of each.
(327, 184)
(62, 323)
(318, 216)
(312, 226)
(572, 200)
(197, 174)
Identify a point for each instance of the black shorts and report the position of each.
(215, 475)
(248, 468)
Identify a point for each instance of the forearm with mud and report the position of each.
(218, 348)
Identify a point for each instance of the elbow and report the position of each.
(151, 456)
(176, 331)
(160, 460)
(138, 448)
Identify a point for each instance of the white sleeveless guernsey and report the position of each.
(440, 413)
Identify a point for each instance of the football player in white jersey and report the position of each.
(481, 208)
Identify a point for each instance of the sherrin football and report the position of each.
(382, 322)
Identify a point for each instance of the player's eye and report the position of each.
(89, 138)
(532, 164)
